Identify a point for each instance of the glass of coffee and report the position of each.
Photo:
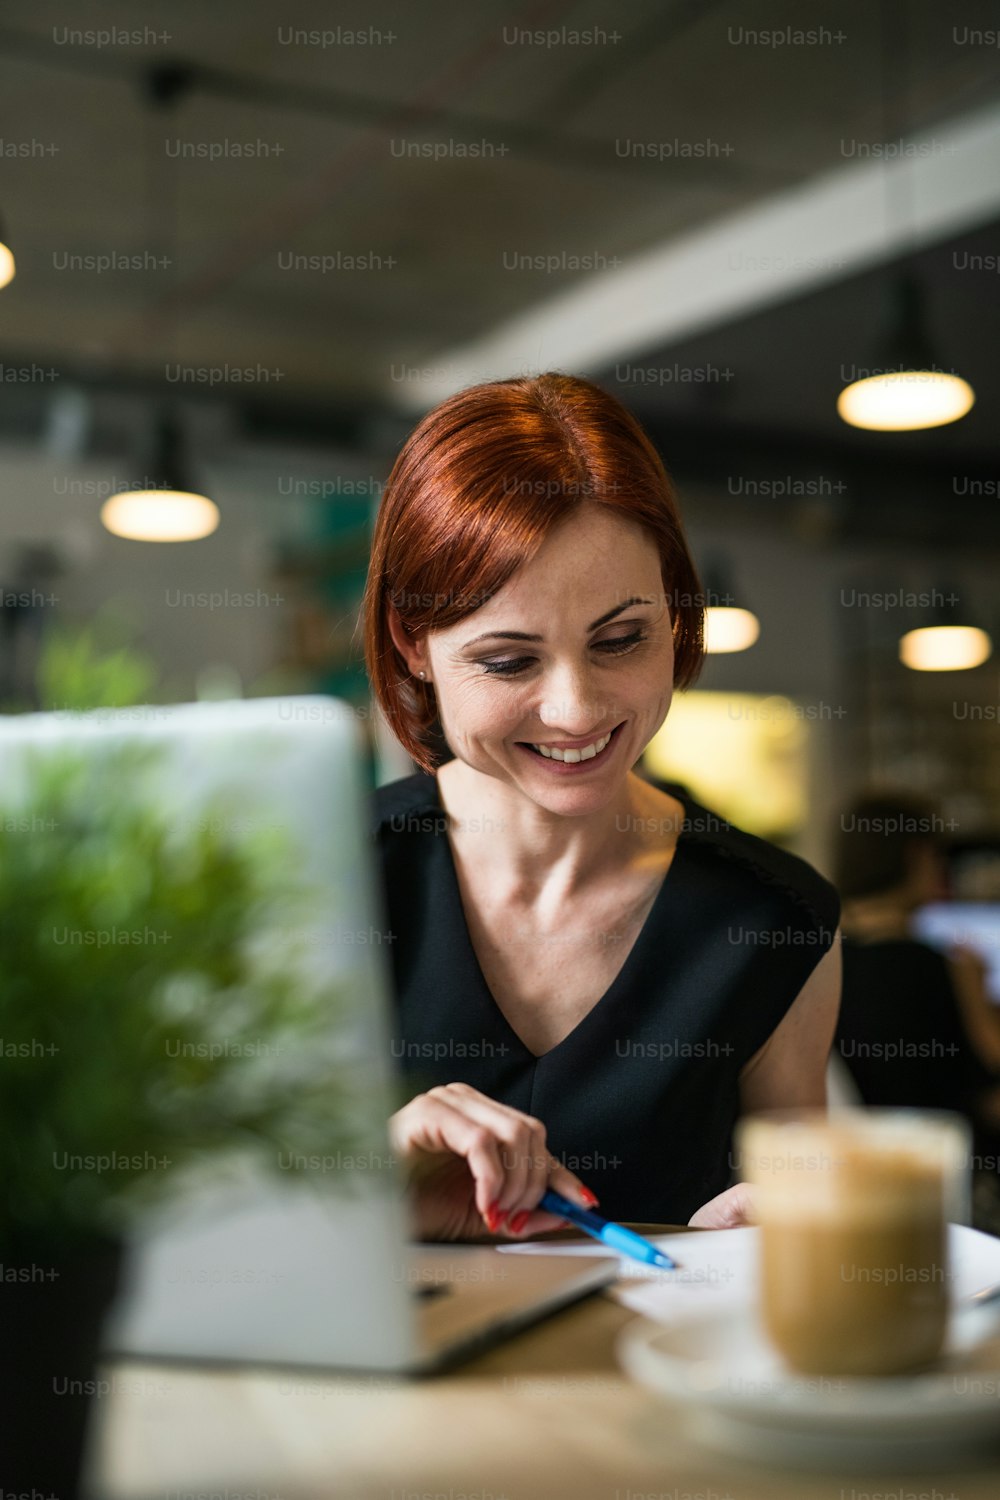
(853, 1207)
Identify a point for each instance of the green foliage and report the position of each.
(154, 1015)
(94, 666)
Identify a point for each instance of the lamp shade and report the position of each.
(7, 266)
(160, 515)
(908, 389)
(729, 624)
(947, 639)
(172, 510)
(944, 648)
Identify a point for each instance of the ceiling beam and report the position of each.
(825, 229)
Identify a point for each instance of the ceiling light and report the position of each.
(7, 267)
(947, 641)
(905, 401)
(907, 390)
(160, 515)
(944, 648)
(171, 511)
(728, 629)
(729, 625)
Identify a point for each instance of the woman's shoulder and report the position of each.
(409, 804)
(760, 863)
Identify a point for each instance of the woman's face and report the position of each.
(600, 661)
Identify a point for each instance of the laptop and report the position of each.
(967, 924)
(312, 1266)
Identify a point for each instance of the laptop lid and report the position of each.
(262, 1252)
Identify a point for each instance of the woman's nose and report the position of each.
(572, 705)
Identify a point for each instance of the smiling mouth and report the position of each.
(581, 755)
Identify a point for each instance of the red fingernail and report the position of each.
(518, 1222)
(494, 1217)
(588, 1197)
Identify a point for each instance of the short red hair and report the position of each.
(477, 487)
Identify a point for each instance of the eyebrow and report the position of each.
(520, 635)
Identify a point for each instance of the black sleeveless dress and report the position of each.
(640, 1099)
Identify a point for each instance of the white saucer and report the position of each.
(742, 1399)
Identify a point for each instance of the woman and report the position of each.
(593, 977)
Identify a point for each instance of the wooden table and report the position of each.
(546, 1415)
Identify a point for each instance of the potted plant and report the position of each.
(129, 949)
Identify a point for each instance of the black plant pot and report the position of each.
(53, 1300)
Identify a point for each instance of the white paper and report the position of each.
(717, 1268)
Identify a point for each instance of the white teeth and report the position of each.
(572, 756)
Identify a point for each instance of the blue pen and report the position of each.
(615, 1236)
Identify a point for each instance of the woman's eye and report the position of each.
(509, 667)
(512, 665)
(621, 642)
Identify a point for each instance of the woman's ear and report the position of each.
(413, 651)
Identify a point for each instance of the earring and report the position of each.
(420, 674)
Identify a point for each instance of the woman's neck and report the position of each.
(531, 852)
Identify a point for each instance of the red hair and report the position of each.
(477, 487)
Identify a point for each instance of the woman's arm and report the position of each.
(979, 1015)
(789, 1071)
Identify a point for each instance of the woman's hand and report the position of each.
(476, 1166)
(728, 1210)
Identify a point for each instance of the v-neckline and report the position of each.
(629, 960)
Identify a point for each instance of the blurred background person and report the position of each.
(917, 1028)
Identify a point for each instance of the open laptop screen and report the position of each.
(969, 924)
